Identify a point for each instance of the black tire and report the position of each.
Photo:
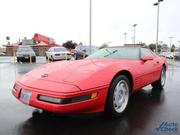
(110, 106)
(34, 59)
(52, 58)
(18, 60)
(36, 113)
(46, 113)
(159, 84)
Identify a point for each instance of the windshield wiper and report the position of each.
(110, 53)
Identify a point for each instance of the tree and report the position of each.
(70, 44)
(173, 48)
(104, 46)
(145, 45)
(164, 46)
(152, 47)
(159, 48)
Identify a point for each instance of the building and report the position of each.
(11, 48)
(2, 49)
(39, 43)
(134, 45)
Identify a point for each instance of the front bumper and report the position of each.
(26, 58)
(85, 106)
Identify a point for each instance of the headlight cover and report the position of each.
(67, 100)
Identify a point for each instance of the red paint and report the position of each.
(66, 79)
(41, 38)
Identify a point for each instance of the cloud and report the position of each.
(69, 20)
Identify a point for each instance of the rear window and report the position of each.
(60, 49)
(24, 49)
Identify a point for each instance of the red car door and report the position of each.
(150, 68)
(157, 64)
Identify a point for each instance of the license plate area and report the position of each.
(25, 96)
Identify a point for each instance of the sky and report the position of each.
(69, 20)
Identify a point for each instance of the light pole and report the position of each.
(134, 33)
(125, 38)
(157, 31)
(170, 43)
(90, 25)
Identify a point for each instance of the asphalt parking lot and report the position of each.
(147, 110)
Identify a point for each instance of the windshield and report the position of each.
(60, 49)
(117, 53)
(24, 49)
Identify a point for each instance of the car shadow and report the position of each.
(139, 114)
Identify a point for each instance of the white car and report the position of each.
(170, 55)
(58, 53)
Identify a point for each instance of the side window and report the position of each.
(145, 52)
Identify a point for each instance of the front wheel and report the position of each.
(118, 96)
(162, 80)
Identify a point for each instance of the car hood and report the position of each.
(83, 74)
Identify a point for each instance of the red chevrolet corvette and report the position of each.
(103, 81)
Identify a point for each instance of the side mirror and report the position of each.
(146, 58)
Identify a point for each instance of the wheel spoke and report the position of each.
(121, 97)
(163, 77)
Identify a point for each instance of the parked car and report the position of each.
(58, 53)
(170, 55)
(103, 81)
(177, 55)
(25, 53)
(82, 51)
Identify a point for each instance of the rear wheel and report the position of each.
(118, 96)
(162, 80)
(33, 59)
(18, 60)
(52, 58)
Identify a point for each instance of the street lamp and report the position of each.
(134, 33)
(157, 31)
(170, 43)
(125, 38)
(90, 25)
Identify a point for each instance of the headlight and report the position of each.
(50, 99)
(67, 100)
